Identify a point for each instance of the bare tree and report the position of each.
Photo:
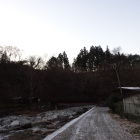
(116, 65)
(35, 62)
(116, 50)
(13, 53)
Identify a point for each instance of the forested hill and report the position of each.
(91, 77)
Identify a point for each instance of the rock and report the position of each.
(35, 130)
(46, 131)
(24, 120)
(37, 123)
(51, 126)
(22, 127)
(26, 126)
(48, 122)
(70, 117)
(14, 123)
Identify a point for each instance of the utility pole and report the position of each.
(119, 82)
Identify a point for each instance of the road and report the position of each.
(97, 124)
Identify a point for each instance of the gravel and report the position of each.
(95, 125)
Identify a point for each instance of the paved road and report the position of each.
(95, 125)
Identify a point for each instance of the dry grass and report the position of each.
(127, 125)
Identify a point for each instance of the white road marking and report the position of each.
(60, 130)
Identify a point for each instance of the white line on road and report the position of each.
(60, 130)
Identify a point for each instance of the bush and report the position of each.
(114, 98)
(119, 108)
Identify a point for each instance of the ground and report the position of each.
(128, 125)
(36, 126)
(95, 125)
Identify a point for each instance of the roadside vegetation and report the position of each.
(115, 103)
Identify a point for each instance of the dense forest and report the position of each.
(90, 78)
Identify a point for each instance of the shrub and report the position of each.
(114, 98)
(119, 108)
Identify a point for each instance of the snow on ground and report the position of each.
(12, 124)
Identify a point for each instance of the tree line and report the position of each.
(91, 76)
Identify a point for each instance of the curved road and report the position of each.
(94, 125)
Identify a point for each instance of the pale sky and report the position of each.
(52, 26)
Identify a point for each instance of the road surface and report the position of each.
(94, 125)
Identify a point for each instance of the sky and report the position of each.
(49, 27)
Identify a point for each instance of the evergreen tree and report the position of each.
(108, 56)
(4, 57)
(96, 58)
(60, 59)
(81, 62)
(64, 60)
(53, 63)
(133, 60)
(91, 58)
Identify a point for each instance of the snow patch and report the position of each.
(131, 88)
(15, 123)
